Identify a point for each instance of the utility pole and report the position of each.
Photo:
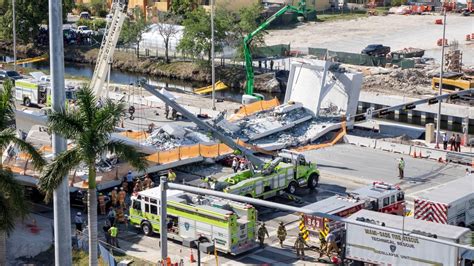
(62, 215)
(14, 35)
(213, 70)
(163, 215)
(438, 117)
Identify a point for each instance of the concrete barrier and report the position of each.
(393, 147)
(430, 153)
(361, 141)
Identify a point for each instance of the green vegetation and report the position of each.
(93, 24)
(132, 30)
(89, 127)
(182, 8)
(12, 201)
(29, 15)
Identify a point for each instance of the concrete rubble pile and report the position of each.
(400, 81)
(171, 136)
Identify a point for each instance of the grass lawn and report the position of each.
(81, 258)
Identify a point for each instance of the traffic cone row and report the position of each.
(415, 155)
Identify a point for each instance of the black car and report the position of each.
(376, 50)
(9, 74)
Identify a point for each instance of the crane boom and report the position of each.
(202, 124)
(107, 47)
(300, 9)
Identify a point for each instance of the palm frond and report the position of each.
(7, 104)
(108, 117)
(86, 102)
(67, 124)
(12, 201)
(55, 172)
(8, 135)
(128, 153)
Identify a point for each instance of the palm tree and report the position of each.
(12, 202)
(89, 127)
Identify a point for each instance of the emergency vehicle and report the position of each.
(451, 203)
(380, 197)
(230, 224)
(380, 247)
(30, 91)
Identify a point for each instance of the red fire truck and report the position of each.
(379, 196)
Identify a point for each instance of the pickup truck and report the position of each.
(376, 50)
(85, 30)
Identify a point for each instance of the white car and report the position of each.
(85, 30)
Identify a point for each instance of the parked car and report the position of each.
(85, 15)
(85, 30)
(376, 50)
(9, 74)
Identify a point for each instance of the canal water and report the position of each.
(235, 95)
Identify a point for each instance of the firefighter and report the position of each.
(125, 186)
(174, 114)
(102, 203)
(114, 196)
(121, 197)
(262, 231)
(120, 215)
(171, 176)
(300, 243)
(322, 245)
(148, 182)
(281, 233)
(331, 243)
(167, 110)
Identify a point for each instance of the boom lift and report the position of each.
(107, 47)
(250, 96)
(288, 171)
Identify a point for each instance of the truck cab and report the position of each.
(383, 197)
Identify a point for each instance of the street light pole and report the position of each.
(438, 117)
(213, 70)
(62, 215)
(163, 215)
(14, 35)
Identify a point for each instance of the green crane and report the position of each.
(300, 9)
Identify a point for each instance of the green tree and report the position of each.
(89, 127)
(196, 38)
(132, 30)
(99, 7)
(167, 29)
(29, 15)
(248, 20)
(183, 7)
(12, 201)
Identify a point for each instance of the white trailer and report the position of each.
(366, 245)
(451, 203)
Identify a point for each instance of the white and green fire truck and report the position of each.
(230, 224)
(288, 171)
(31, 92)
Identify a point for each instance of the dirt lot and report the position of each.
(396, 31)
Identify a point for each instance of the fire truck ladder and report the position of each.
(412, 105)
(107, 47)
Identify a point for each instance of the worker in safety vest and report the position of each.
(113, 231)
(262, 231)
(171, 176)
(281, 233)
(101, 199)
(114, 196)
(121, 197)
(300, 244)
(401, 168)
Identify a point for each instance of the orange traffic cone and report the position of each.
(414, 154)
(191, 257)
(420, 155)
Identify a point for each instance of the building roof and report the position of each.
(409, 224)
(334, 204)
(449, 192)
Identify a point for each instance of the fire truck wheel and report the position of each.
(146, 228)
(313, 181)
(27, 102)
(292, 187)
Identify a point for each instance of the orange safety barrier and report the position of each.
(136, 135)
(338, 137)
(187, 152)
(255, 107)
